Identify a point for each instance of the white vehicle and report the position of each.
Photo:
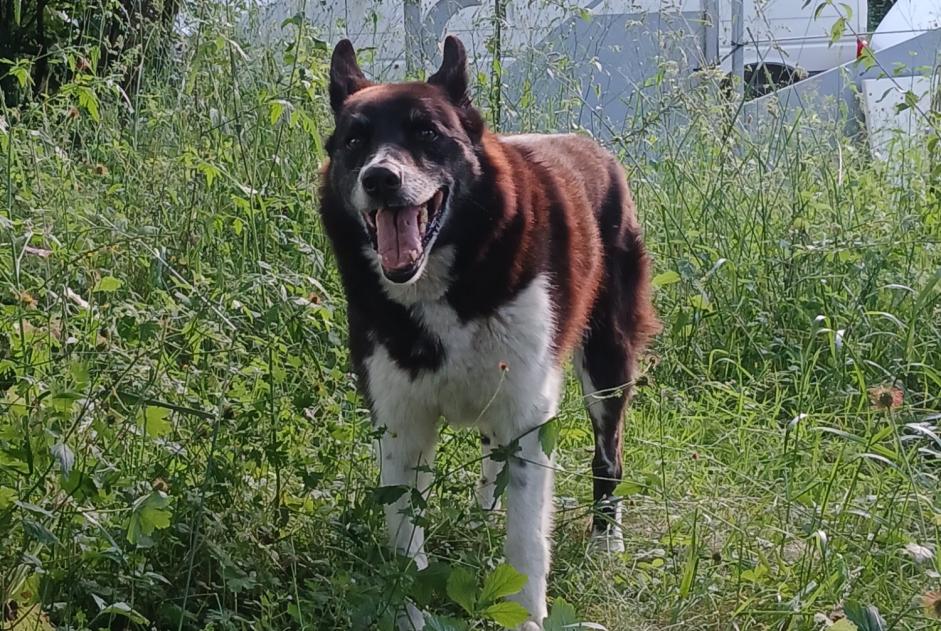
(905, 20)
(784, 37)
(789, 35)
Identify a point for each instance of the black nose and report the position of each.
(381, 181)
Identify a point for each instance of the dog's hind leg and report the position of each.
(604, 369)
(621, 324)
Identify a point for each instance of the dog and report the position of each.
(475, 265)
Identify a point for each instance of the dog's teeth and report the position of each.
(413, 255)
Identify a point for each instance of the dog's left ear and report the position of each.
(452, 75)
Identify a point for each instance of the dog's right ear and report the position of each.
(345, 75)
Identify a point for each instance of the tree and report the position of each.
(877, 11)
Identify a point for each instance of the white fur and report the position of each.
(498, 375)
(611, 539)
(415, 184)
(486, 489)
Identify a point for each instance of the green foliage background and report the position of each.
(182, 447)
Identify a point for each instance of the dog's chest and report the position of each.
(491, 366)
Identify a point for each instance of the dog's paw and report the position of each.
(607, 542)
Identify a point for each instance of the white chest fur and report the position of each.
(497, 371)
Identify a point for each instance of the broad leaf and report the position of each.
(108, 284)
(503, 581)
(383, 495)
(507, 614)
(664, 279)
(561, 618)
(462, 589)
(124, 610)
(866, 618)
(549, 436)
(149, 512)
(442, 623)
(7, 497)
(155, 421)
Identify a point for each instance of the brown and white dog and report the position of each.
(474, 266)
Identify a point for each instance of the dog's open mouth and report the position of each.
(401, 234)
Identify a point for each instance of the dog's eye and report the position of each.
(427, 133)
(354, 141)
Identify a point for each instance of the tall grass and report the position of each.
(181, 445)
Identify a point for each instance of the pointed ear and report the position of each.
(345, 75)
(452, 75)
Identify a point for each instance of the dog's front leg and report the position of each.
(529, 523)
(406, 455)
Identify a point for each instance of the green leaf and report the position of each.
(561, 618)
(148, 513)
(383, 495)
(108, 284)
(39, 533)
(155, 421)
(549, 436)
(276, 109)
(627, 488)
(124, 610)
(462, 589)
(843, 624)
(209, 171)
(664, 279)
(430, 581)
(442, 623)
(911, 101)
(507, 614)
(755, 575)
(867, 59)
(502, 582)
(7, 497)
(866, 618)
(837, 30)
(89, 100)
(700, 302)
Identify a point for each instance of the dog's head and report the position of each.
(403, 155)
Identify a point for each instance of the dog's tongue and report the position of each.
(398, 237)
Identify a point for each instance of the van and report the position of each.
(783, 40)
(788, 40)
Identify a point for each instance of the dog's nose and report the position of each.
(381, 181)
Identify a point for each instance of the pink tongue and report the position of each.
(398, 237)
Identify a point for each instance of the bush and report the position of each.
(43, 43)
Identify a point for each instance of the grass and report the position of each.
(181, 445)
